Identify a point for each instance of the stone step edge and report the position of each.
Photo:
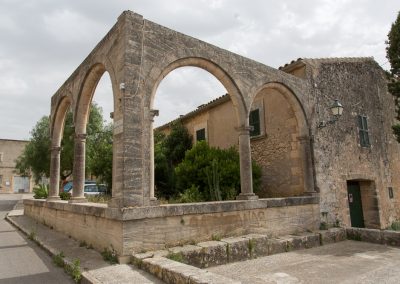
(173, 272)
(227, 250)
(86, 277)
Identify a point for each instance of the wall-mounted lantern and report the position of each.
(337, 110)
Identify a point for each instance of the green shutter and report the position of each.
(363, 130)
(201, 134)
(254, 120)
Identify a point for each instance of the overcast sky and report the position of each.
(43, 41)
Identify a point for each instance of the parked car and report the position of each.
(90, 188)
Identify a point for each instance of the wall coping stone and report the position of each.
(168, 210)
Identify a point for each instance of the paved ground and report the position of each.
(22, 261)
(91, 261)
(344, 262)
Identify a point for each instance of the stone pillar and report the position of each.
(79, 169)
(54, 174)
(153, 113)
(305, 155)
(246, 178)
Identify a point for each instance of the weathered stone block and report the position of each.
(391, 238)
(276, 246)
(258, 245)
(190, 254)
(215, 253)
(237, 249)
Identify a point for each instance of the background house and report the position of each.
(10, 181)
(354, 163)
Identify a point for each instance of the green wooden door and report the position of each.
(355, 205)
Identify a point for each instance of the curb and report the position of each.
(86, 277)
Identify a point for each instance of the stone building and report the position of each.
(10, 181)
(355, 160)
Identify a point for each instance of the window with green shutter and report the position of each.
(201, 134)
(363, 131)
(254, 120)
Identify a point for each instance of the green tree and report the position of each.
(215, 172)
(393, 55)
(36, 155)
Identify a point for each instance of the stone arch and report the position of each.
(214, 69)
(81, 116)
(297, 170)
(240, 110)
(56, 130)
(58, 121)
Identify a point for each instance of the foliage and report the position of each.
(74, 270)
(213, 179)
(395, 226)
(41, 191)
(36, 155)
(65, 195)
(101, 154)
(199, 161)
(169, 150)
(190, 195)
(58, 259)
(110, 255)
(176, 256)
(393, 55)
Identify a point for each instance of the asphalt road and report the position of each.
(21, 260)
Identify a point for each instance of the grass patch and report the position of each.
(216, 237)
(110, 255)
(176, 257)
(58, 259)
(32, 236)
(74, 270)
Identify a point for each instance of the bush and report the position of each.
(215, 172)
(395, 226)
(190, 195)
(41, 191)
(65, 195)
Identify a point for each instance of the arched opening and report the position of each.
(57, 124)
(203, 99)
(93, 146)
(280, 142)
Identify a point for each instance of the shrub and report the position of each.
(41, 191)
(191, 194)
(110, 255)
(395, 226)
(216, 172)
(65, 195)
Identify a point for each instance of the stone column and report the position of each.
(54, 174)
(79, 169)
(153, 113)
(246, 178)
(305, 154)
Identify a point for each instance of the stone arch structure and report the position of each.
(220, 75)
(137, 54)
(56, 131)
(300, 145)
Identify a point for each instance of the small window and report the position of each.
(201, 134)
(363, 131)
(390, 192)
(254, 121)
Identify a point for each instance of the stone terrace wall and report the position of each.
(136, 229)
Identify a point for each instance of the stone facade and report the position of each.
(10, 181)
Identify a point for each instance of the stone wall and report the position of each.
(151, 228)
(359, 84)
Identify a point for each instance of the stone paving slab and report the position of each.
(95, 269)
(342, 262)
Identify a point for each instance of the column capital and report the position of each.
(244, 130)
(81, 136)
(55, 148)
(153, 113)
